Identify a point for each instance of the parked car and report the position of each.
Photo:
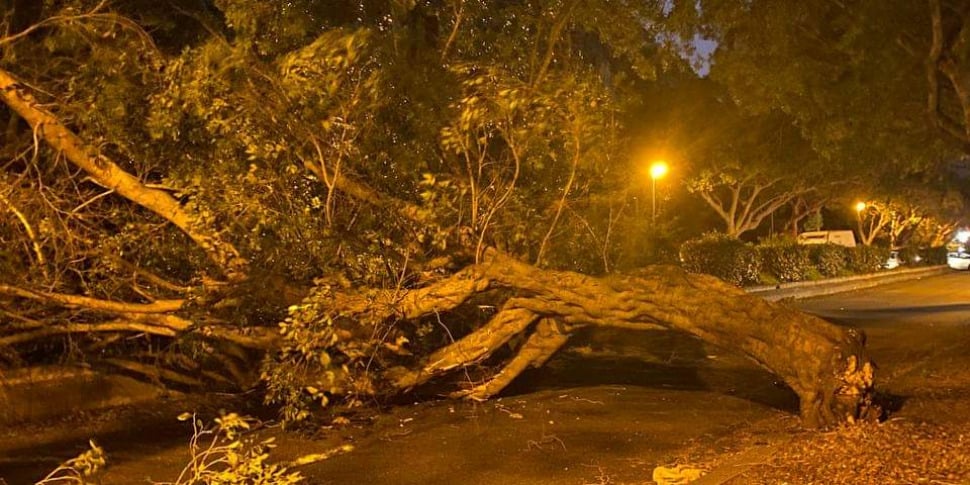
(959, 261)
(893, 262)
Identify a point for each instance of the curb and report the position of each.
(808, 289)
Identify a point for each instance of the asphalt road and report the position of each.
(931, 301)
(918, 333)
(608, 410)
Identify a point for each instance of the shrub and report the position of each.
(866, 259)
(813, 275)
(80, 470)
(719, 255)
(785, 260)
(829, 259)
(222, 454)
(931, 256)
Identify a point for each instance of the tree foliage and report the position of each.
(232, 158)
(875, 88)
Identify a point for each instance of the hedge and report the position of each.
(727, 258)
(866, 259)
(829, 259)
(775, 261)
(785, 260)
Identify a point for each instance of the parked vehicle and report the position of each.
(893, 262)
(959, 261)
(842, 238)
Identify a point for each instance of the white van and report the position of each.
(958, 260)
(842, 238)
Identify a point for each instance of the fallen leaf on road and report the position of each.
(678, 475)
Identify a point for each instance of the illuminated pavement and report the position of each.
(611, 408)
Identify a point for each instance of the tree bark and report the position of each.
(826, 365)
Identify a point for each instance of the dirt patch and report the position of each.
(897, 451)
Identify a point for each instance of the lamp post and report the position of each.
(859, 207)
(657, 170)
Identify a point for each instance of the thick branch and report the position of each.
(442, 296)
(259, 338)
(70, 328)
(715, 203)
(750, 203)
(470, 349)
(108, 174)
(75, 301)
(810, 354)
(539, 348)
(764, 210)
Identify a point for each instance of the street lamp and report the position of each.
(859, 207)
(657, 170)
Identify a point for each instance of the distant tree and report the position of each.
(899, 209)
(749, 167)
(814, 221)
(858, 77)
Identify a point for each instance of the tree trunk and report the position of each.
(824, 364)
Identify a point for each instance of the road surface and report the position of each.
(918, 332)
(607, 410)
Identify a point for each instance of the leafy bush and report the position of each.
(785, 260)
(829, 259)
(866, 259)
(930, 256)
(315, 361)
(716, 254)
(80, 470)
(221, 454)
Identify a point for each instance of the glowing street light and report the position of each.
(657, 171)
(859, 207)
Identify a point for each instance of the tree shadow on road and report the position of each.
(653, 359)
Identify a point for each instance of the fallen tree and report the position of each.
(824, 364)
(382, 306)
